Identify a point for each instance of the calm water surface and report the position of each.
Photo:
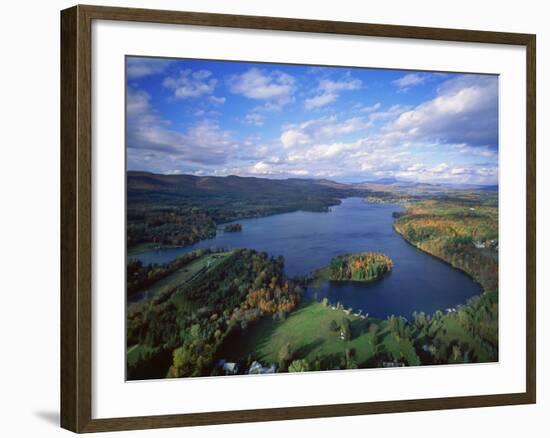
(309, 241)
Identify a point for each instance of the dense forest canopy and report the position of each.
(366, 266)
(178, 332)
(178, 210)
(462, 230)
(216, 306)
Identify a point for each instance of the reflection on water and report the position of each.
(309, 241)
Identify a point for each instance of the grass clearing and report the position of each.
(185, 274)
(135, 352)
(308, 331)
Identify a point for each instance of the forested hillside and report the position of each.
(177, 210)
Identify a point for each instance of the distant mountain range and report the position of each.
(231, 184)
(232, 197)
(393, 184)
(191, 185)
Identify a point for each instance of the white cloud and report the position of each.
(254, 118)
(371, 108)
(452, 137)
(445, 173)
(440, 168)
(152, 137)
(217, 100)
(140, 67)
(320, 130)
(465, 110)
(411, 80)
(481, 151)
(345, 84)
(390, 113)
(189, 84)
(319, 101)
(293, 137)
(275, 86)
(261, 168)
(328, 91)
(137, 102)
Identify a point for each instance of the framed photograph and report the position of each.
(270, 218)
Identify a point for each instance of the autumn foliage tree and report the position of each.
(360, 267)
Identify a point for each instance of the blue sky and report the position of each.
(280, 121)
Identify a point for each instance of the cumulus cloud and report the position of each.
(390, 113)
(137, 102)
(292, 137)
(319, 101)
(274, 87)
(318, 130)
(411, 80)
(451, 136)
(346, 84)
(140, 67)
(217, 100)
(458, 124)
(149, 136)
(254, 118)
(189, 84)
(445, 173)
(465, 110)
(369, 108)
(328, 91)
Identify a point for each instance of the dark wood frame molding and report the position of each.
(76, 174)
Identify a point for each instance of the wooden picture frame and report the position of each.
(76, 217)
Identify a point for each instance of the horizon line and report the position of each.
(370, 181)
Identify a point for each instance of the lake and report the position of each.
(308, 241)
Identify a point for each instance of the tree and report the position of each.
(285, 356)
(298, 366)
(373, 330)
(195, 331)
(345, 330)
(183, 362)
(349, 359)
(456, 353)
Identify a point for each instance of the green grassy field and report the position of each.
(310, 336)
(308, 331)
(140, 248)
(188, 272)
(452, 330)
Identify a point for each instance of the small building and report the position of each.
(229, 368)
(257, 368)
(393, 364)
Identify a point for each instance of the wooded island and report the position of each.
(366, 266)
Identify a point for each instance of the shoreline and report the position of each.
(435, 256)
(137, 251)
